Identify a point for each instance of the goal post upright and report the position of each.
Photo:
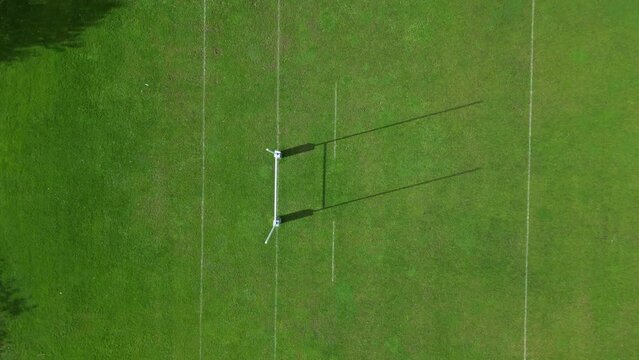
(277, 155)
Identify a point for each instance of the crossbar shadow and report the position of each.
(299, 149)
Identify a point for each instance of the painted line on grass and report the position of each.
(277, 134)
(335, 124)
(277, 91)
(530, 117)
(203, 149)
(277, 236)
(334, 157)
(333, 255)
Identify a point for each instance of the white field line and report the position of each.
(203, 149)
(277, 91)
(333, 255)
(335, 124)
(275, 309)
(334, 157)
(530, 117)
(277, 134)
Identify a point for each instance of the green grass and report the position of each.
(100, 176)
(584, 240)
(100, 180)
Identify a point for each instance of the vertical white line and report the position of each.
(203, 150)
(277, 122)
(530, 116)
(275, 310)
(333, 255)
(277, 161)
(277, 91)
(335, 124)
(334, 157)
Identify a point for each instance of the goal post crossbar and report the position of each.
(277, 155)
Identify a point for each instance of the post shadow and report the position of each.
(310, 212)
(298, 149)
(49, 24)
(12, 304)
(324, 207)
(296, 215)
(459, 107)
(311, 146)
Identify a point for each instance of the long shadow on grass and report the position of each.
(326, 207)
(421, 117)
(51, 24)
(11, 305)
(310, 212)
(300, 149)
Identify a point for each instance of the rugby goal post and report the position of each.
(277, 155)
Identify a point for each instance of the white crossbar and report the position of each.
(277, 155)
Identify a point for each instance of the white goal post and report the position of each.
(277, 155)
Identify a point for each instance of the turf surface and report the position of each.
(100, 181)
(100, 187)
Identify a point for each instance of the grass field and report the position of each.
(123, 150)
